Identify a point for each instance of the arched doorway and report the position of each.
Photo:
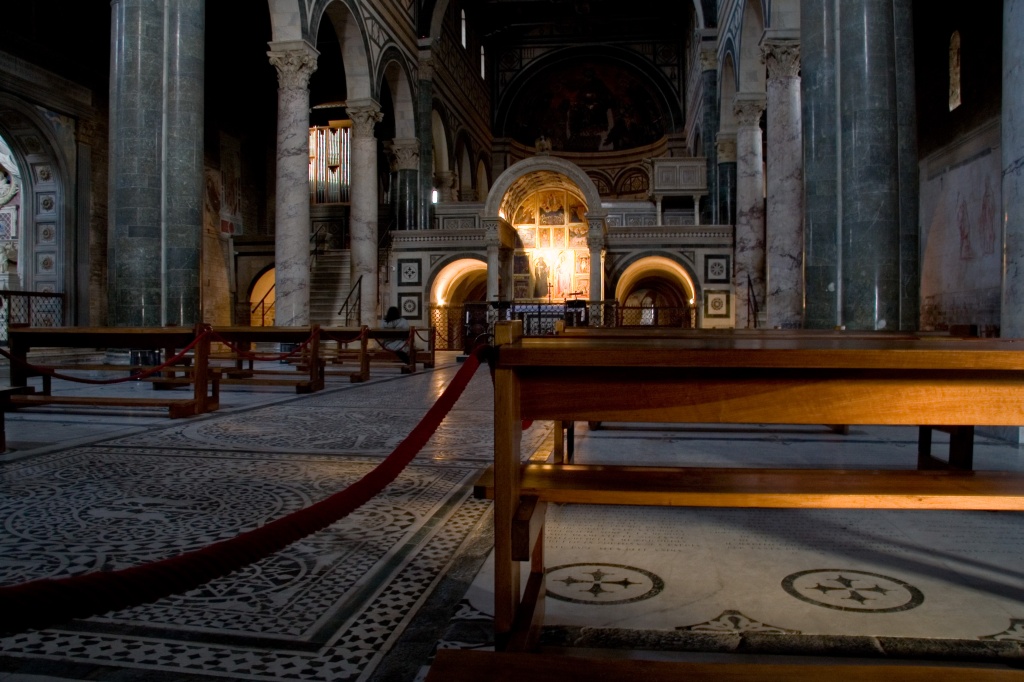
(261, 300)
(46, 233)
(655, 291)
(458, 307)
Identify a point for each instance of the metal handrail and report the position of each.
(262, 304)
(356, 290)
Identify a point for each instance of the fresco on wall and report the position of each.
(960, 252)
(553, 262)
(591, 107)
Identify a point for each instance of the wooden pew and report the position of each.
(453, 665)
(370, 352)
(242, 370)
(204, 383)
(343, 350)
(961, 444)
(731, 380)
(426, 343)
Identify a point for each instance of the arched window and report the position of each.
(465, 42)
(954, 70)
(483, 64)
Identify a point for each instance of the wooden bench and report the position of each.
(242, 370)
(961, 443)
(454, 665)
(205, 384)
(950, 382)
(369, 351)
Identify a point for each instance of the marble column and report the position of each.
(861, 233)
(405, 156)
(784, 211)
(749, 273)
(725, 151)
(425, 132)
(295, 62)
(155, 162)
(822, 201)
(909, 175)
(709, 132)
(365, 114)
(1012, 316)
(870, 248)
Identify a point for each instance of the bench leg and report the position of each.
(961, 448)
(558, 451)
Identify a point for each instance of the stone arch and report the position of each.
(396, 77)
(518, 176)
(752, 73)
(46, 242)
(464, 167)
(726, 95)
(452, 280)
(439, 136)
(354, 49)
(483, 182)
(290, 22)
(662, 277)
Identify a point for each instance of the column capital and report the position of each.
(748, 108)
(782, 57)
(709, 59)
(365, 113)
(404, 153)
(295, 62)
(426, 66)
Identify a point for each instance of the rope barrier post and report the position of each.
(364, 353)
(202, 368)
(507, 441)
(316, 365)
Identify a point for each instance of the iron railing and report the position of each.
(29, 309)
(262, 310)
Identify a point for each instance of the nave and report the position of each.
(372, 596)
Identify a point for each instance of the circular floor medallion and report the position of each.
(847, 590)
(603, 584)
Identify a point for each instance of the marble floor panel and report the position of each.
(721, 579)
(372, 596)
(324, 608)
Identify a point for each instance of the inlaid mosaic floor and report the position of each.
(330, 606)
(373, 595)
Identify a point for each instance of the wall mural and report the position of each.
(592, 107)
(553, 261)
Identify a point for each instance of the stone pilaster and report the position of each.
(365, 114)
(295, 63)
(1012, 317)
(749, 273)
(784, 211)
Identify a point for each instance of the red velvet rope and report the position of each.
(47, 602)
(49, 371)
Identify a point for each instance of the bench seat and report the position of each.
(453, 665)
(776, 488)
(176, 408)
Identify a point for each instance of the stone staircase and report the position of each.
(329, 284)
